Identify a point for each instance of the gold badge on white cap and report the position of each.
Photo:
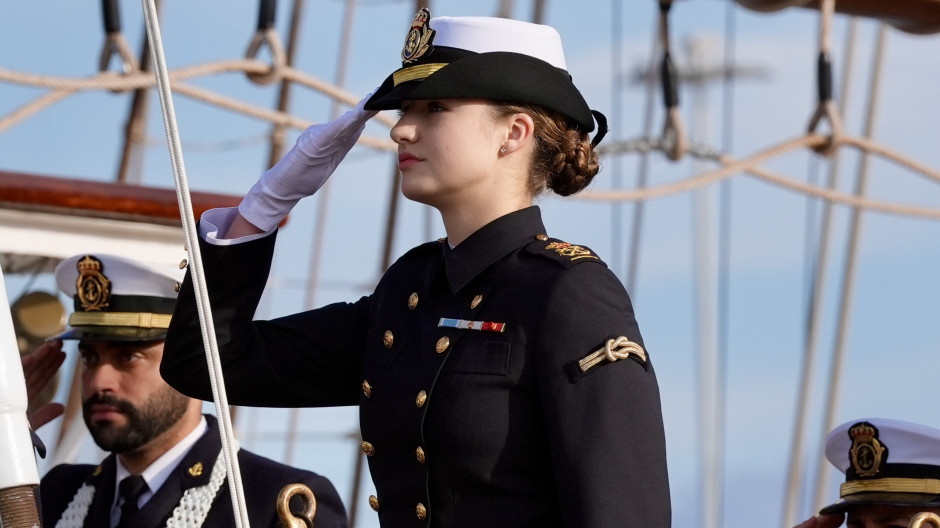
(867, 452)
(419, 38)
(93, 288)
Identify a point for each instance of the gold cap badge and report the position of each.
(93, 288)
(419, 38)
(867, 452)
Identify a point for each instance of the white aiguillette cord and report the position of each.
(195, 266)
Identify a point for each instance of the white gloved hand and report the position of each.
(304, 169)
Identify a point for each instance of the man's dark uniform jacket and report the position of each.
(262, 480)
(464, 363)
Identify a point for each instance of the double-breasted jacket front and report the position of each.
(468, 367)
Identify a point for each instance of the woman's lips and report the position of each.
(406, 160)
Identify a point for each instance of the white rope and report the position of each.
(191, 511)
(75, 512)
(195, 258)
(196, 502)
(815, 308)
(851, 264)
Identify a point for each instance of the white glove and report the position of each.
(304, 169)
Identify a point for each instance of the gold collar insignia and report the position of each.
(195, 470)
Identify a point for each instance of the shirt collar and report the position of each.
(489, 244)
(159, 471)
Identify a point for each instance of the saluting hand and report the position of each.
(39, 367)
(304, 169)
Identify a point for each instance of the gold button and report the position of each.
(476, 302)
(176, 287)
(183, 264)
(421, 511)
(374, 502)
(367, 388)
(367, 448)
(441, 240)
(442, 344)
(388, 339)
(421, 398)
(542, 237)
(419, 453)
(413, 301)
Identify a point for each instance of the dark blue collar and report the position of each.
(489, 244)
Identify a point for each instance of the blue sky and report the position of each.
(893, 335)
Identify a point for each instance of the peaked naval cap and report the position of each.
(116, 298)
(887, 462)
(498, 59)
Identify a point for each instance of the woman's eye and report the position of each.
(436, 107)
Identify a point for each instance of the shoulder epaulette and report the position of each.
(562, 252)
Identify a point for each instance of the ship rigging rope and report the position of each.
(197, 275)
(751, 165)
(65, 86)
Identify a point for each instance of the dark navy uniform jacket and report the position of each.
(262, 480)
(463, 428)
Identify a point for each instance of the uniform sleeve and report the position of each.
(307, 359)
(604, 426)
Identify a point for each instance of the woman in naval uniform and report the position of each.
(500, 373)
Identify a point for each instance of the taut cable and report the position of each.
(196, 271)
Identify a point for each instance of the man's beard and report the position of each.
(144, 423)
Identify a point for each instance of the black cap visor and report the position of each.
(883, 499)
(112, 333)
(503, 77)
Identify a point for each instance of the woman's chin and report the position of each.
(416, 192)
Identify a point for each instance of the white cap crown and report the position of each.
(488, 34)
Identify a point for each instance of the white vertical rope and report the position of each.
(794, 473)
(639, 208)
(848, 274)
(818, 278)
(195, 258)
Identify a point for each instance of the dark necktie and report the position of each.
(130, 488)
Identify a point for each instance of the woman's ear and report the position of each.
(519, 134)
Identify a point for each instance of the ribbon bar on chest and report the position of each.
(463, 324)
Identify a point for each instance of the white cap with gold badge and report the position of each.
(885, 462)
(116, 298)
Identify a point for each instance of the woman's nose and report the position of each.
(403, 131)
